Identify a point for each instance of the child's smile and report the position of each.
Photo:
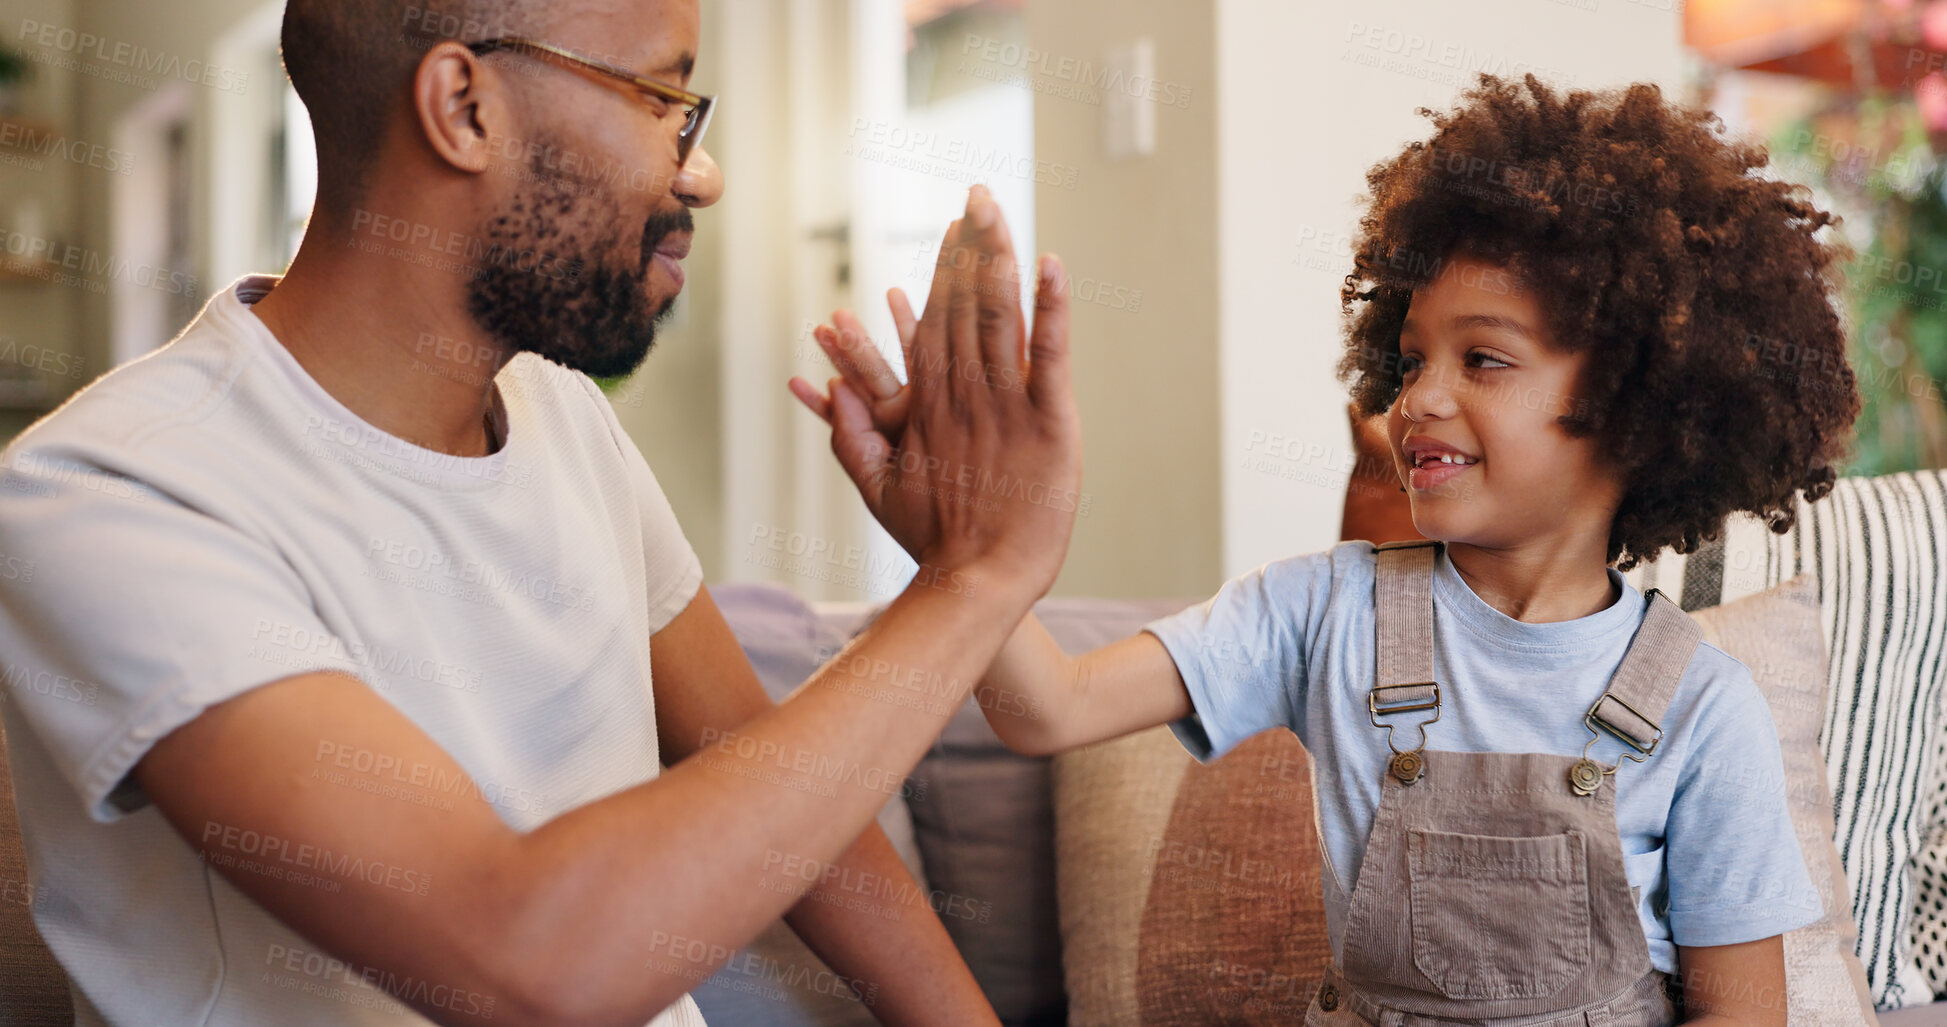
(1434, 463)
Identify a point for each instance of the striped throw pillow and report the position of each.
(1878, 547)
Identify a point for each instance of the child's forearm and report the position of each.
(1027, 691)
(1042, 701)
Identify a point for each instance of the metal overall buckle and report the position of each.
(1586, 775)
(1410, 765)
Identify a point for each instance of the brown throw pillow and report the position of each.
(1189, 894)
(1776, 634)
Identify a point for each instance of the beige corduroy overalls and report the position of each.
(1492, 891)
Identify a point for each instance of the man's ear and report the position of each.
(455, 104)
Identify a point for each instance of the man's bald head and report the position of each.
(352, 63)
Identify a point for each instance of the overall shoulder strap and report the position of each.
(1632, 707)
(1403, 622)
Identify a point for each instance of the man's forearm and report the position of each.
(635, 898)
(874, 925)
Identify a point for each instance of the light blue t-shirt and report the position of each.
(1291, 645)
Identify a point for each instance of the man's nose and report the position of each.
(700, 182)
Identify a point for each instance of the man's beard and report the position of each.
(559, 294)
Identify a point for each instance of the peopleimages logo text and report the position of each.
(123, 54)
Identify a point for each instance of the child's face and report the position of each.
(1482, 377)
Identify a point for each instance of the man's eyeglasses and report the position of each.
(701, 107)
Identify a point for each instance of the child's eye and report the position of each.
(1483, 356)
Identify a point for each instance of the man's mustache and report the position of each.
(660, 226)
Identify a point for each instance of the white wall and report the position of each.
(1237, 232)
(1213, 263)
(1138, 236)
(33, 313)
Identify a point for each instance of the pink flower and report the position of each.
(1930, 94)
(1933, 26)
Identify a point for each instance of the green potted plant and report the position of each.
(14, 68)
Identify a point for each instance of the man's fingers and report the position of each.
(904, 321)
(963, 298)
(864, 367)
(997, 287)
(930, 347)
(1048, 368)
(942, 283)
(813, 400)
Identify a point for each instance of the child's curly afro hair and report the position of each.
(1718, 376)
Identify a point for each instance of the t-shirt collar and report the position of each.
(1457, 599)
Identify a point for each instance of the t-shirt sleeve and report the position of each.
(1242, 654)
(670, 565)
(1736, 871)
(127, 614)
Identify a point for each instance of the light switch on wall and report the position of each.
(1128, 111)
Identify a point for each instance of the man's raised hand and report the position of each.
(977, 459)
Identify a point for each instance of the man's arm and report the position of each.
(863, 914)
(604, 915)
(1740, 985)
(611, 911)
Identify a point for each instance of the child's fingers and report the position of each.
(1048, 368)
(815, 401)
(864, 367)
(832, 342)
(861, 450)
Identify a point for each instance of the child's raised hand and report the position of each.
(863, 369)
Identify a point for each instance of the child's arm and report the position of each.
(1740, 985)
(1042, 701)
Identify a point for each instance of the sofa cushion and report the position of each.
(1189, 894)
(985, 824)
(1930, 910)
(33, 989)
(776, 981)
(1878, 547)
(1776, 634)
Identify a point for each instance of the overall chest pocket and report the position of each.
(1499, 917)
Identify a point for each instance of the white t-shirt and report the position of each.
(208, 519)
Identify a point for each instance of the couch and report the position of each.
(983, 826)
(986, 824)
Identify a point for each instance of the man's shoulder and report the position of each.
(532, 377)
(191, 380)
